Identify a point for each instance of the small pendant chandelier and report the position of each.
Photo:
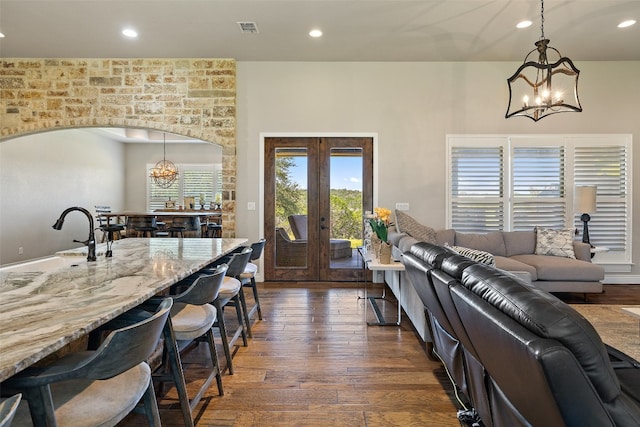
(538, 89)
(165, 172)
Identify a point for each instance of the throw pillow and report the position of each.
(475, 255)
(407, 224)
(555, 242)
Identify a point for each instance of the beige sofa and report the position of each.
(514, 251)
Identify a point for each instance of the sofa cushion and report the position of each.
(407, 224)
(445, 236)
(519, 242)
(555, 242)
(406, 243)
(491, 242)
(512, 264)
(394, 237)
(562, 269)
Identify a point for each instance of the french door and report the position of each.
(316, 190)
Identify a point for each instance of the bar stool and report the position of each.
(8, 409)
(177, 227)
(213, 226)
(101, 387)
(145, 226)
(231, 294)
(248, 277)
(214, 230)
(192, 318)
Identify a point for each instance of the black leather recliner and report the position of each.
(539, 363)
(422, 265)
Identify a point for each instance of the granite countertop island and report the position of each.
(50, 302)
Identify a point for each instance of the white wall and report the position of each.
(412, 107)
(43, 174)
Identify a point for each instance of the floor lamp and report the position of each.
(585, 202)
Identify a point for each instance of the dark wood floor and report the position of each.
(313, 361)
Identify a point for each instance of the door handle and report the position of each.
(322, 227)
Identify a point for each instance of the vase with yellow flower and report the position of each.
(380, 225)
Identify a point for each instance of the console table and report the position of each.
(370, 262)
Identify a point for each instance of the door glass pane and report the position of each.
(291, 207)
(346, 174)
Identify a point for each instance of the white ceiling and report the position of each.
(135, 135)
(354, 30)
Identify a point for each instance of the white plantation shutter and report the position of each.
(477, 188)
(533, 185)
(197, 182)
(538, 187)
(193, 180)
(607, 167)
(158, 196)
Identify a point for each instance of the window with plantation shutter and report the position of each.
(607, 167)
(193, 181)
(522, 181)
(477, 188)
(538, 187)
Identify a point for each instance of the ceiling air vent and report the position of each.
(248, 27)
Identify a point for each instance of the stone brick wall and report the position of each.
(192, 97)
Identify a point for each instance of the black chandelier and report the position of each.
(539, 88)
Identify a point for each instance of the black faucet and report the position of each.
(90, 243)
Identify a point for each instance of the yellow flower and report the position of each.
(383, 214)
(381, 222)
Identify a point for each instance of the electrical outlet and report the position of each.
(402, 206)
(20, 250)
(251, 206)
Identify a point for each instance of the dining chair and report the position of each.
(96, 388)
(8, 409)
(192, 318)
(248, 277)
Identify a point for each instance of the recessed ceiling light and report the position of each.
(315, 33)
(625, 24)
(130, 32)
(524, 24)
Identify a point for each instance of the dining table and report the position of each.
(51, 302)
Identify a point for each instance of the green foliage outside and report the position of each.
(346, 205)
(290, 199)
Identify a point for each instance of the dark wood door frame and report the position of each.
(318, 268)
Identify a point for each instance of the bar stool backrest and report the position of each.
(257, 249)
(204, 289)
(238, 262)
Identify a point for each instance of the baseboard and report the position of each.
(621, 279)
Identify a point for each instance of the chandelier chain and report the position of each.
(542, 19)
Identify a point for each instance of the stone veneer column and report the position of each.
(192, 97)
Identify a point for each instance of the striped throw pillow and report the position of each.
(475, 255)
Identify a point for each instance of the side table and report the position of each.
(598, 249)
(370, 262)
